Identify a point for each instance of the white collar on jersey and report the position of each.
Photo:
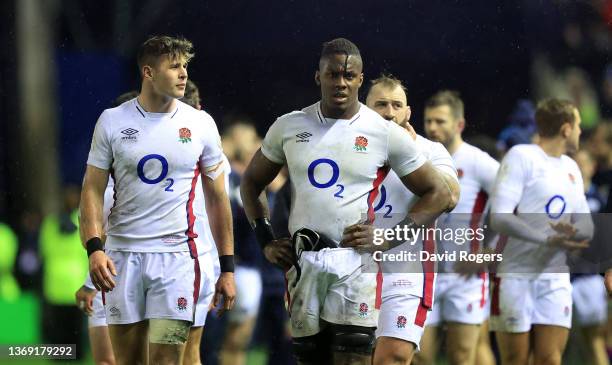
(324, 120)
(148, 115)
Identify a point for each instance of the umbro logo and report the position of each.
(303, 137)
(129, 135)
(129, 131)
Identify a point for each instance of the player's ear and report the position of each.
(408, 113)
(461, 124)
(317, 78)
(566, 130)
(360, 79)
(147, 72)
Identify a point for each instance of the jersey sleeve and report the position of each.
(272, 145)
(101, 152)
(509, 183)
(442, 160)
(486, 171)
(212, 153)
(583, 204)
(403, 154)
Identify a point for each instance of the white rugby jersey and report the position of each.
(476, 170)
(541, 189)
(392, 206)
(336, 165)
(155, 160)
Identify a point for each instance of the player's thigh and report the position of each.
(101, 347)
(192, 348)
(461, 341)
(125, 304)
(129, 342)
(429, 346)
(393, 351)
(238, 335)
(172, 284)
(549, 343)
(513, 347)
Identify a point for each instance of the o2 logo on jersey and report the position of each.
(555, 207)
(331, 181)
(162, 175)
(382, 201)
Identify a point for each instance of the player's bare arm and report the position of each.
(220, 218)
(434, 191)
(92, 201)
(260, 172)
(454, 189)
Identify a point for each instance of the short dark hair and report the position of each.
(339, 46)
(155, 47)
(192, 94)
(389, 81)
(551, 114)
(125, 97)
(450, 98)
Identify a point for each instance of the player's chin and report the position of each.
(178, 93)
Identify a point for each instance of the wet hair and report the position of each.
(125, 97)
(551, 114)
(339, 46)
(388, 81)
(450, 98)
(192, 94)
(155, 47)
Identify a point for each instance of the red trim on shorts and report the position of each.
(495, 310)
(379, 286)
(429, 245)
(381, 173)
(191, 235)
(483, 289)
(421, 314)
(477, 210)
(196, 283)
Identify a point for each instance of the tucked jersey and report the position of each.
(476, 170)
(392, 206)
(541, 189)
(336, 165)
(155, 160)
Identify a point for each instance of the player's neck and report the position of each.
(554, 147)
(332, 113)
(454, 145)
(156, 103)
